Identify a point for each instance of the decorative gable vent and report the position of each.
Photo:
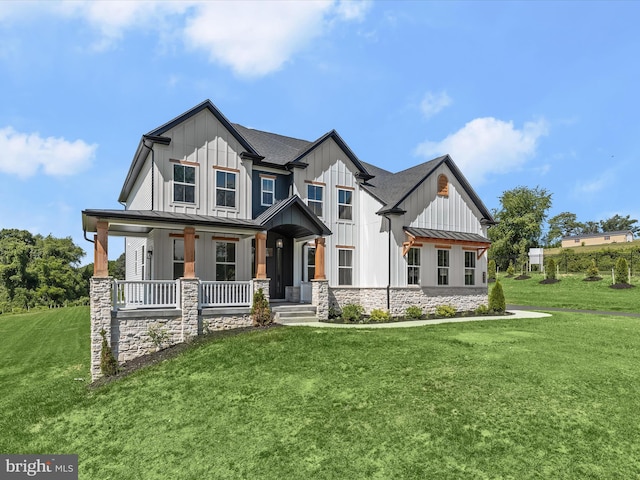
(443, 186)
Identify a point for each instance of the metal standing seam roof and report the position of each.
(446, 235)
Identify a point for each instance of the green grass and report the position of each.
(572, 292)
(539, 398)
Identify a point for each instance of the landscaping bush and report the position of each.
(108, 363)
(352, 313)
(481, 310)
(497, 302)
(621, 271)
(260, 310)
(592, 271)
(379, 315)
(550, 269)
(511, 269)
(492, 271)
(413, 312)
(446, 311)
(158, 335)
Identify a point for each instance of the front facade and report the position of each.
(221, 203)
(597, 239)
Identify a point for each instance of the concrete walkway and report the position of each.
(417, 323)
(572, 310)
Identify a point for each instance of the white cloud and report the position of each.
(23, 154)
(488, 145)
(353, 9)
(432, 103)
(603, 181)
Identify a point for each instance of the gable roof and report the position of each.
(599, 234)
(294, 212)
(393, 188)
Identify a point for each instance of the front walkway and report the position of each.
(417, 323)
(573, 310)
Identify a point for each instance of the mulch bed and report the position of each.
(621, 286)
(173, 351)
(522, 277)
(592, 279)
(549, 281)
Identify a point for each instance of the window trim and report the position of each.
(314, 201)
(443, 185)
(347, 205)
(443, 268)
(225, 171)
(414, 266)
(271, 180)
(470, 269)
(308, 266)
(174, 182)
(226, 263)
(342, 248)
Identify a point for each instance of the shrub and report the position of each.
(621, 271)
(413, 312)
(108, 363)
(492, 270)
(379, 315)
(592, 271)
(352, 313)
(158, 335)
(550, 270)
(260, 310)
(496, 299)
(446, 311)
(481, 310)
(334, 312)
(510, 269)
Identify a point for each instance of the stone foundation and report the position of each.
(427, 298)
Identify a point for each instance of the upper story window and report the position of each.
(469, 268)
(345, 204)
(443, 186)
(443, 267)
(314, 198)
(225, 189)
(413, 266)
(184, 183)
(267, 191)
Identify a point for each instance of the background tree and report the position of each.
(564, 224)
(621, 271)
(520, 218)
(590, 227)
(618, 223)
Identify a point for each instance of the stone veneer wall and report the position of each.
(463, 298)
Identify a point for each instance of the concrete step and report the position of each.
(289, 320)
(296, 313)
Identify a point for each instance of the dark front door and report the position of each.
(279, 264)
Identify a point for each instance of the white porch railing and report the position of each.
(146, 294)
(225, 294)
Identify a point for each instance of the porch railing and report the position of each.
(146, 294)
(225, 294)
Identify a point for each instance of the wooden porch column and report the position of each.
(189, 252)
(261, 255)
(100, 250)
(320, 259)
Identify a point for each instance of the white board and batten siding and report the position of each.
(203, 142)
(374, 243)
(330, 167)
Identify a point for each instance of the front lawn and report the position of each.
(539, 398)
(571, 292)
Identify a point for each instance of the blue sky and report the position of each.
(519, 93)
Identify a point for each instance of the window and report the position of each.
(184, 183)
(267, 193)
(178, 258)
(314, 199)
(607, 237)
(345, 204)
(311, 264)
(345, 267)
(225, 189)
(225, 261)
(443, 267)
(413, 268)
(443, 186)
(577, 240)
(469, 268)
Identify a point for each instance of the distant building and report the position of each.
(597, 238)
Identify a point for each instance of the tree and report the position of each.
(590, 227)
(621, 271)
(497, 302)
(564, 224)
(492, 270)
(618, 223)
(520, 218)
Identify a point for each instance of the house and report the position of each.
(597, 238)
(214, 210)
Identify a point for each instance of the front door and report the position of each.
(279, 264)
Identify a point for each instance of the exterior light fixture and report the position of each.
(279, 243)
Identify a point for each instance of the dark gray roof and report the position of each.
(276, 149)
(446, 235)
(600, 234)
(304, 217)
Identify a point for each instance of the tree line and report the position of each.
(43, 271)
(522, 217)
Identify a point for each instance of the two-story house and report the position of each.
(222, 203)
